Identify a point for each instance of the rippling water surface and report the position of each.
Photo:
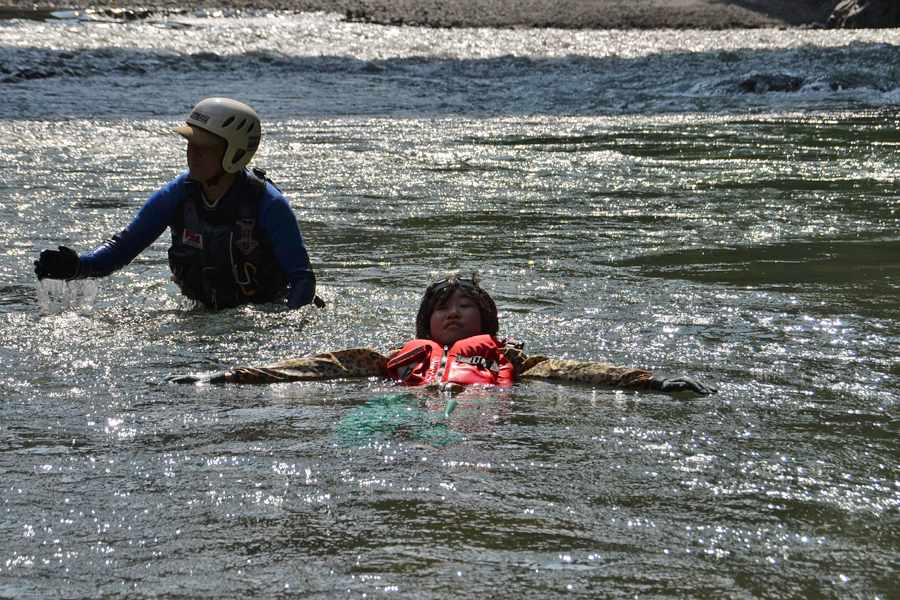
(721, 204)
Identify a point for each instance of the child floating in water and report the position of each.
(456, 346)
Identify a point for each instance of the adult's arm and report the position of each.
(150, 222)
(278, 219)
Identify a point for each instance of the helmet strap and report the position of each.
(218, 186)
(212, 181)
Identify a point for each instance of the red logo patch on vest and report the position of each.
(192, 238)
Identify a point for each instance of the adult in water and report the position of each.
(235, 238)
(456, 346)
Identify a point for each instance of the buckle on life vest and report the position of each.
(248, 277)
(480, 361)
(513, 343)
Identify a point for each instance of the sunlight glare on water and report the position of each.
(686, 202)
(327, 35)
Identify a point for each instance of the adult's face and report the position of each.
(204, 163)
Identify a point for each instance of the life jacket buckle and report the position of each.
(480, 361)
(513, 343)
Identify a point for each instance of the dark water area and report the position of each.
(715, 204)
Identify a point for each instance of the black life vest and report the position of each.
(224, 258)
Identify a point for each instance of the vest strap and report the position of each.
(404, 358)
(480, 361)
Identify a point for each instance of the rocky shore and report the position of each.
(567, 14)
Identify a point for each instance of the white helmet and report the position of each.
(228, 121)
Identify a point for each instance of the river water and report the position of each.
(720, 204)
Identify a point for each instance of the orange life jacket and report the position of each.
(474, 360)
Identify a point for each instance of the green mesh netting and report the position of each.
(400, 415)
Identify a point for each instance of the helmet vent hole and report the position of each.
(228, 122)
(241, 125)
(251, 128)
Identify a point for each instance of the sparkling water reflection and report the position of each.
(648, 199)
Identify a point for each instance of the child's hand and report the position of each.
(192, 379)
(681, 386)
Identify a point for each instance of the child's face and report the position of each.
(455, 319)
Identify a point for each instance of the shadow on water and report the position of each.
(868, 271)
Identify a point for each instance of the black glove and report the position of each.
(58, 264)
(197, 379)
(681, 385)
(183, 379)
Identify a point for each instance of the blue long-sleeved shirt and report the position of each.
(275, 216)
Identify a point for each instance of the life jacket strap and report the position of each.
(414, 354)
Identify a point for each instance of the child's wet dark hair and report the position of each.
(442, 288)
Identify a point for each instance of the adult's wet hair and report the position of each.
(439, 290)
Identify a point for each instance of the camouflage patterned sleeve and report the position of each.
(597, 373)
(355, 362)
(520, 361)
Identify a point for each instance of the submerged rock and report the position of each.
(762, 84)
(865, 14)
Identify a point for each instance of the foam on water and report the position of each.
(334, 67)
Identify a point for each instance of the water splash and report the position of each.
(56, 296)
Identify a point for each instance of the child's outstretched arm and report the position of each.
(597, 373)
(354, 362)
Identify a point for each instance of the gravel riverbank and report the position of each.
(567, 14)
